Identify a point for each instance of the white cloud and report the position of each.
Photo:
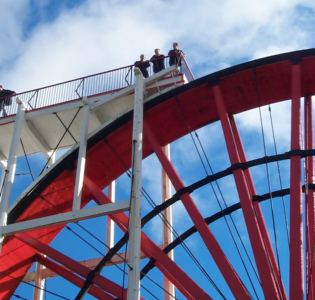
(91, 38)
(12, 17)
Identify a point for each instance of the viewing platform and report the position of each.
(53, 113)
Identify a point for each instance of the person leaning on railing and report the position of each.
(175, 55)
(5, 99)
(158, 61)
(143, 65)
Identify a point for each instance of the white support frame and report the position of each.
(81, 157)
(11, 166)
(67, 217)
(133, 291)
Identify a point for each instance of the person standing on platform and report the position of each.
(143, 65)
(158, 61)
(5, 99)
(175, 55)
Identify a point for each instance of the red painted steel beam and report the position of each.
(258, 212)
(296, 242)
(309, 196)
(106, 284)
(68, 275)
(169, 268)
(229, 274)
(262, 261)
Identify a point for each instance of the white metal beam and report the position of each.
(79, 177)
(72, 216)
(57, 108)
(10, 171)
(133, 291)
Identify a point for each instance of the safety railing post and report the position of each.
(11, 166)
(82, 92)
(81, 157)
(77, 88)
(36, 98)
(133, 291)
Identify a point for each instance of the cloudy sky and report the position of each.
(48, 41)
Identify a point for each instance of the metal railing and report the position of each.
(100, 83)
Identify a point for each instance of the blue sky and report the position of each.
(49, 41)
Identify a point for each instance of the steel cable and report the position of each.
(184, 118)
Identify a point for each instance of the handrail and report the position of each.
(103, 82)
(79, 78)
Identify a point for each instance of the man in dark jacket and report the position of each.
(5, 99)
(175, 55)
(143, 65)
(158, 61)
